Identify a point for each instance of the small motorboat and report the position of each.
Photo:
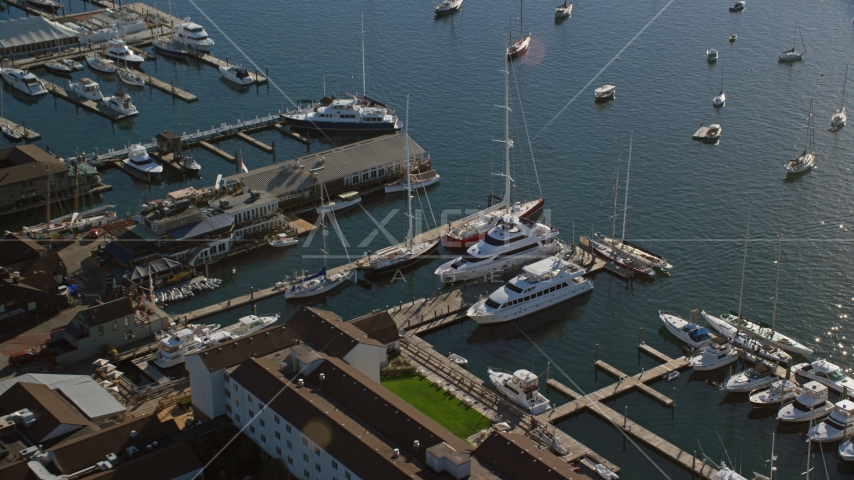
(606, 472)
(755, 377)
(711, 55)
(717, 354)
(190, 164)
(58, 68)
(694, 335)
(778, 393)
(838, 426)
(563, 11)
(810, 404)
(669, 377)
(846, 451)
(448, 7)
(416, 180)
(122, 104)
(458, 360)
(236, 74)
(826, 373)
(605, 93)
(344, 200)
(738, 7)
(129, 77)
(86, 88)
(74, 64)
(102, 65)
(282, 240)
(733, 37)
(713, 134)
(521, 387)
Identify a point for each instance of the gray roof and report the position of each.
(85, 393)
(283, 178)
(107, 312)
(205, 227)
(34, 29)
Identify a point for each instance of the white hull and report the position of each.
(401, 186)
(741, 384)
(337, 205)
(675, 324)
(231, 77)
(14, 78)
(786, 343)
(789, 414)
(130, 78)
(791, 57)
(701, 364)
(101, 65)
(506, 384)
(317, 286)
(780, 392)
(498, 266)
(846, 451)
(563, 11)
(742, 340)
(529, 307)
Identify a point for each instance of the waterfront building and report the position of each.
(35, 34)
(30, 287)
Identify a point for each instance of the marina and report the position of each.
(28, 134)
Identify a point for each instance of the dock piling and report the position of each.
(596, 358)
(640, 337)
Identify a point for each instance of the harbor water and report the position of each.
(687, 201)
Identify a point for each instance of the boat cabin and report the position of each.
(824, 369)
(697, 333)
(88, 85)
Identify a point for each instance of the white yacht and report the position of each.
(416, 180)
(838, 426)
(118, 51)
(541, 285)
(139, 160)
(59, 68)
(86, 88)
(344, 114)
(313, 285)
(172, 347)
(605, 93)
(747, 342)
(282, 240)
(251, 323)
(514, 241)
(712, 55)
(827, 373)
(236, 74)
(720, 99)
(717, 354)
(521, 387)
(448, 7)
(754, 377)
(190, 164)
(122, 104)
(345, 200)
(694, 335)
(103, 65)
(763, 330)
(23, 81)
(810, 404)
(846, 451)
(778, 393)
(193, 36)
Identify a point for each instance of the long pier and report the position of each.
(29, 135)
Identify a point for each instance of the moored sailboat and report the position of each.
(521, 46)
(839, 118)
(806, 160)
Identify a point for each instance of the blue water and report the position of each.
(688, 201)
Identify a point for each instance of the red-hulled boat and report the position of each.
(472, 231)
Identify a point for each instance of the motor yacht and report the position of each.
(776, 394)
(129, 77)
(49, 5)
(810, 404)
(236, 74)
(121, 103)
(23, 81)
(448, 7)
(313, 285)
(764, 330)
(282, 240)
(542, 284)
(745, 341)
(172, 347)
(251, 323)
(139, 160)
(344, 200)
(416, 180)
(758, 376)
(189, 164)
(838, 426)
(717, 354)
(513, 242)
(605, 93)
(86, 88)
(711, 55)
(103, 65)
(344, 114)
(826, 373)
(694, 335)
(118, 51)
(521, 387)
(846, 451)
(738, 7)
(563, 11)
(473, 230)
(171, 47)
(193, 36)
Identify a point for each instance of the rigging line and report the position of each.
(435, 225)
(527, 134)
(603, 68)
(617, 427)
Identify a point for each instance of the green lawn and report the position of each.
(437, 404)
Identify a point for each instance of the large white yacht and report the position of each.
(541, 285)
(810, 404)
(173, 346)
(121, 103)
(139, 160)
(778, 393)
(827, 373)
(716, 354)
(754, 377)
(24, 81)
(521, 387)
(838, 426)
(750, 344)
(193, 36)
(514, 241)
(118, 51)
(764, 330)
(694, 335)
(87, 88)
(346, 114)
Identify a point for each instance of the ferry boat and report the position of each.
(74, 223)
(448, 7)
(344, 114)
(139, 160)
(754, 377)
(810, 404)
(416, 180)
(764, 330)
(521, 387)
(121, 103)
(717, 354)
(86, 88)
(313, 285)
(511, 243)
(778, 393)
(170, 47)
(118, 51)
(542, 284)
(236, 74)
(472, 231)
(747, 342)
(345, 200)
(694, 335)
(193, 36)
(826, 373)
(102, 65)
(838, 426)
(23, 81)
(172, 347)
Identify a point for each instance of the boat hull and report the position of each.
(390, 127)
(519, 47)
(401, 186)
(498, 265)
(403, 264)
(789, 414)
(524, 310)
(526, 210)
(328, 286)
(637, 268)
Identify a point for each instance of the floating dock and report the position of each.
(701, 134)
(290, 133)
(216, 151)
(23, 5)
(29, 135)
(255, 143)
(169, 88)
(89, 105)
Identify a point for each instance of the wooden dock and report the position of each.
(216, 62)
(88, 105)
(169, 88)
(255, 143)
(701, 135)
(216, 151)
(29, 135)
(292, 134)
(23, 5)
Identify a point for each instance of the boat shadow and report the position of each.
(561, 20)
(535, 325)
(796, 177)
(241, 89)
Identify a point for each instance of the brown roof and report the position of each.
(107, 312)
(363, 453)
(39, 272)
(263, 342)
(326, 330)
(47, 406)
(17, 248)
(379, 326)
(520, 458)
(27, 162)
(172, 461)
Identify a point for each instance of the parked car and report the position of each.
(21, 358)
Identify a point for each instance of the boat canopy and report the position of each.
(321, 273)
(697, 333)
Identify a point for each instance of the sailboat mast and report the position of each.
(76, 185)
(616, 189)
(507, 142)
(47, 198)
(323, 224)
(844, 82)
(626, 201)
(408, 175)
(520, 20)
(773, 457)
(722, 76)
(777, 280)
(744, 262)
(364, 91)
(809, 122)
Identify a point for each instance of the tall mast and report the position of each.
(844, 82)
(520, 20)
(744, 261)
(626, 202)
(809, 122)
(773, 457)
(47, 198)
(76, 185)
(508, 144)
(777, 280)
(364, 92)
(616, 189)
(323, 224)
(408, 175)
(722, 77)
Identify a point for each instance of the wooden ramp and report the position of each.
(220, 153)
(29, 135)
(150, 370)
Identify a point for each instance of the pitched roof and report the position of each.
(35, 29)
(379, 326)
(47, 406)
(220, 222)
(27, 162)
(520, 458)
(17, 248)
(107, 312)
(326, 330)
(173, 461)
(232, 352)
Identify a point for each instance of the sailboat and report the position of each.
(792, 55)
(720, 99)
(621, 253)
(10, 134)
(806, 160)
(839, 118)
(321, 282)
(563, 11)
(519, 47)
(395, 257)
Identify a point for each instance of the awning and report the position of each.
(35, 29)
(156, 267)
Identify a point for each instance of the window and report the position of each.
(237, 417)
(128, 335)
(307, 475)
(127, 321)
(248, 397)
(288, 428)
(304, 441)
(235, 387)
(100, 330)
(115, 325)
(347, 475)
(252, 429)
(305, 457)
(237, 402)
(263, 439)
(334, 465)
(317, 466)
(278, 435)
(31, 306)
(276, 418)
(317, 450)
(251, 414)
(227, 379)
(262, 423)
(290, 445)
(227, 407)
(278, 451)
(227, 392)
(290, 460)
